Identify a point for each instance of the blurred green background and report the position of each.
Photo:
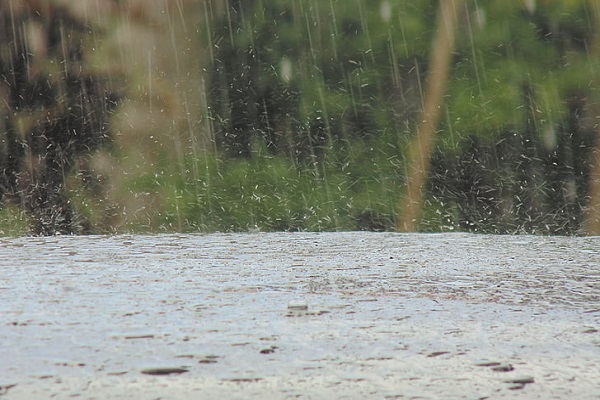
(286, 115)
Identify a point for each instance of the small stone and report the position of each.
(503, 368)
(164, 371)
(521, 380)
(437, 353)
(298, 305)
(268, 350)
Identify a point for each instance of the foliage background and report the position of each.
(296, 115)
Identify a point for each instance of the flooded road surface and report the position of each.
(303, 315)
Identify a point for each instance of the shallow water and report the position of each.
(324, 315)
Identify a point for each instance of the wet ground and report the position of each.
(303, 315)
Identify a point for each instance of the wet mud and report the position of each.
(302, 315)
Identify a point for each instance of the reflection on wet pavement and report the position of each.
(327, 315)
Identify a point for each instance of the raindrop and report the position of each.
(285, 69)
(385, 10)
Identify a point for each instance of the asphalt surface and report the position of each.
(300, 315)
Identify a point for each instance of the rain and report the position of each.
(281, 175)
(214, 116)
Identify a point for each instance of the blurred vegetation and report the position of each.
(332, 91)
(53, 116)
(297, 115)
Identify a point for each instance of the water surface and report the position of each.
(322, 315)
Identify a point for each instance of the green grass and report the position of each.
(274, 194)
(13, 221)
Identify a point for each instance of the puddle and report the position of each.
(326, 315)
